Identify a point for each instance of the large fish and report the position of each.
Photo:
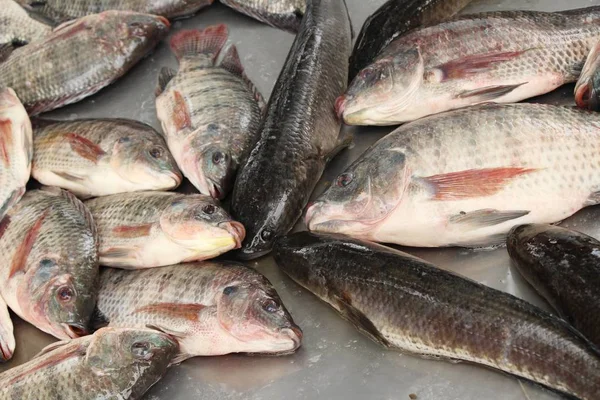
(7, 337)
(49, 262)
(119, 364)
(210, 308)
(501, 57)
(300, 131)
(467, 177)
(79, 58)
(210, 111)
(16, 150)
(98, 157)
(151, 229)
(282, 14)
(564, 267)
(18, 28)
(407, 304)
(587, 90)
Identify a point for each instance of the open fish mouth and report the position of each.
(586, 96)
(74, 330)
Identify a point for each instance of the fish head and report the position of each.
(216, 166)
(130, 33)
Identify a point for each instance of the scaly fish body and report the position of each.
(501, 57)
(587, 90)
(102, 156)
(210, 308)
(7, 337)
(80, 58)
(467, 177)
(112, 364)
(18, 28)
(282, 14)
(405, 303)
(151, 229)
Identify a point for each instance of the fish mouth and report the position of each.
(340, 105)
(75, 330)
(295, 333)
(586, 96)
(237, 230)
(176, 177)
(164, 21)
(215, 191)
(6, 352)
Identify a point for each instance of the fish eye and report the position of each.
(65, 294)
(141, 350)
(46, 262)
(229, 290)
(212, 127)
(344, 179)
(270, 306)
(209, 209)
(218, 157)
(156, 152)
(124, 139)
(266, 235)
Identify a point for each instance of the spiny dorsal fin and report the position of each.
(194, 42)
(231, 62)
(164, 77)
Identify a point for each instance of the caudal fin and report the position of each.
(191, 43)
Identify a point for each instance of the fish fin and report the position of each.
(489, 242)
(64, 25)
(79, 206)
(473, 182)
(132, 231)
(344, 141)
(170, 332)
(184, 311)
(120, 257)
(52, 347)
(68, 176)
(181, 115)
(13, 199)
(592, 200)
(19, 260)
(194, 42)
(467, 66)
(164, 77)
(487, 217)
(4, 224)
(6, 50)
(179, 358)
(85, 148)
(360, 320)
(98, 320)
(6, 141)
(231, 62)
(490, 92)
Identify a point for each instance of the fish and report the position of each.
(90, 53)
(282, 14)
(16, 150)
(210, 111)
(7, 337)
(99, 157)
(466, 177)
(49, 262)
(393, 19)
(500, 57)
(300, 132)
(404, 303)
(587, 89)
(18, 28)
(152, 229)
(563, 267)
(211, 308)
(111, 364)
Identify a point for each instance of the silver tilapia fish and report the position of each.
(49, 262)
(587, 90)
(210, 111)
(282, 14)
(18, 28)
(98, 157)
(7, 337)
(501, 57)
(210, 308)
(467, 177)
(152, 229)
(80, 57)
(119, 364)
(15, 150)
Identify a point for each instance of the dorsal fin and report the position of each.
(194, 42)
(164, 77)
(231, 62)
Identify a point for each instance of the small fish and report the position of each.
(152, 229)
(120, 364)
(210, 308)
(90, 53)
(7, 337)
(49, 262)
(98, 157)
(210, 112)
(282, 14)
(18, 28)
(587, 90)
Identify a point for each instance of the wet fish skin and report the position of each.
(111, 364)
(300, 131)
(473, 59)
(7, 337)
(18, 28)
(211, 308)
(587, 90)
(282, 14)
(80, 58)
(407, 304)
(49, 262)
(99, 157)
(466, 177)
(152, 229)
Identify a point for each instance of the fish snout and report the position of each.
(295, 333)
(340, 105)
(311, 211)
(586, 96)
(6, 352)
(164, 21)
(237, 230)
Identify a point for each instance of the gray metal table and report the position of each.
(335, 361)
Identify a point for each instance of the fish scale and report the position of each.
(283, 14)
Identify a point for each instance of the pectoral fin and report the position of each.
(489, 93)
(486, 217)
(344, 305)
(471, 65)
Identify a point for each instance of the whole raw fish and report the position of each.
(467, 177)
(7, 337)
(120, 364)
(79, 58)
(405, 303)
(501, 57)
(49, 262)
(98, 157)
(299, 133)
(210, 308)
(151, 229)
(210, 112)
(587, 90)
(282, 14)
(18, 28)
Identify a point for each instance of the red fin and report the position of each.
(84, 147)
(190, 43)
(188, 311)
(181, 117)
(20, 258)
(4, 225)
(473, 182)
(467, 66)
(6, 140)
(124, 231)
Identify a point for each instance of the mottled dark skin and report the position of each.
(408, 304)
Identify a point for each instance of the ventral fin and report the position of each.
(68, 176)
(6, 141)
(129, 232)
(360, 320)
(4, 225)
(19, 260)
(489, 93)
(471, 65)
(84, 147)
(164, 77)
(486, 217)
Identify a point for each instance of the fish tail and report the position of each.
(194, 42)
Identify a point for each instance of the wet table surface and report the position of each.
(335, 361)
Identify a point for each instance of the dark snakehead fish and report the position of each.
(564, 267)
(587, 90)
(18, 28)
(300, 131)
(7, 337)
(407, 304)
(80, 57)
(282, 14)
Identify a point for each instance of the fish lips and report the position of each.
(586, 95)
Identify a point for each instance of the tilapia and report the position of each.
(15, 150)
(7, 337)
(405, 303)
(282, 14)
(587, 90)
(393, 19)
(467, 177)
(120, 364)
(210, 308)
(564, 267)
(79, 58)
(18, 28)
(151, 229)
(501, 57)
(49, 262)
(299, 133)
(98, 157)
(210, 111)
